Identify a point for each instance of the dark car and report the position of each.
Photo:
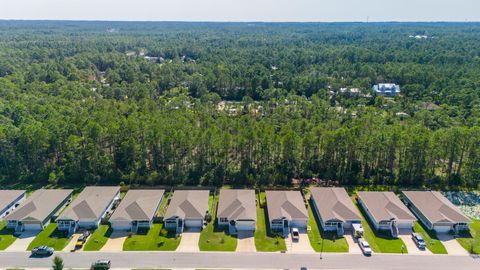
(418, 239)
(42, 251)
(100, 265)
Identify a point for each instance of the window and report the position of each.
(223, 220)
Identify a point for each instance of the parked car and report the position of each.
(82, 239)
(365, 247)
(295, 234)
(418, 239)
(42, 251)
(100, 265)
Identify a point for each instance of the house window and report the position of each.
(223, 220)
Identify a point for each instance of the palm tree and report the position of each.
(57, 263)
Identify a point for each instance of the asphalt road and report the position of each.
(244, 260)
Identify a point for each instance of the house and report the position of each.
(237, 209)
(334, 209)
(187, 209)
(137, 210)
(286, 209)
(436, 212)
(38, 209)
(87, 210)
(9, 200)
(386, 211)
(386, 89)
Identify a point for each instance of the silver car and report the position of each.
(365, 247)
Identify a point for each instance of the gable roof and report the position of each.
(435, 207)
(285, 204)
(138, 205)
(9, 196)
(40, 205)
(334, 204)
(90, 203)
(237, 204)
(385, 206)
(188, 204)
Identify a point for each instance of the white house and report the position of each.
(286, 209)
(38, 209)
(386, 89)
(87, 210)
(187, 209)
(386, 211)
(237, 210)
(137, 210)
(436, 212)
(334, 208)
(9, 200)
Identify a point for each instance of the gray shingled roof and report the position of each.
(138, 205)
(40, 204)
(8, 196)
(334, 204)
(188, 204)
(285, 204)
(236, 204)
(90, 203)
(435, 207)
(385, 206)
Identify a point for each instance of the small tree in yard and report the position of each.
(57, 263)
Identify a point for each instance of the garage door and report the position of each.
(404, 225)
(193, 223)
(301, 224)
(121, 226)
(32, 227)
(245, 225)
(442, 229)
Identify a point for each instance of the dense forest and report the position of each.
(239, 103)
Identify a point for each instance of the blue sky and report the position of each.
(243, 10)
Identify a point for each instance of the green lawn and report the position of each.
(471, 241)
(433, 244)
(98, 238)
(51, 237)
(6, 236)
(264, 241)
(213, 238)
(319, 238)
(157, 238)
(379, 242)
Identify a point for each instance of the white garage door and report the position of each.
(404, 225)
(301, 224)
(193, 223)
(245, 225)
(32, 227)
(121, 226)
(442, 229)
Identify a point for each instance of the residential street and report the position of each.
(245, 260)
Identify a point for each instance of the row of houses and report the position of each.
(236, 210)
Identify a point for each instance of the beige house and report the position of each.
(237, 209)
(9, 200)
(187, 209)
(436, 212)
(286, 209)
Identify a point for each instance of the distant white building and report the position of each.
(386, 89)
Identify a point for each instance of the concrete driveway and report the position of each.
(71, 245)
(23, 241)
(115, 241)
(412, 247)
(246, 242)
(189, 241)
(352, 244)
(451, 245)
(300, 246)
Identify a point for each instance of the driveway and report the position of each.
(71, 245)
(412, 247)
(352, 244)
(300, 246)
(451, 245)
(23, 241)
(115, 241)
(189, 241)
(246, 242)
